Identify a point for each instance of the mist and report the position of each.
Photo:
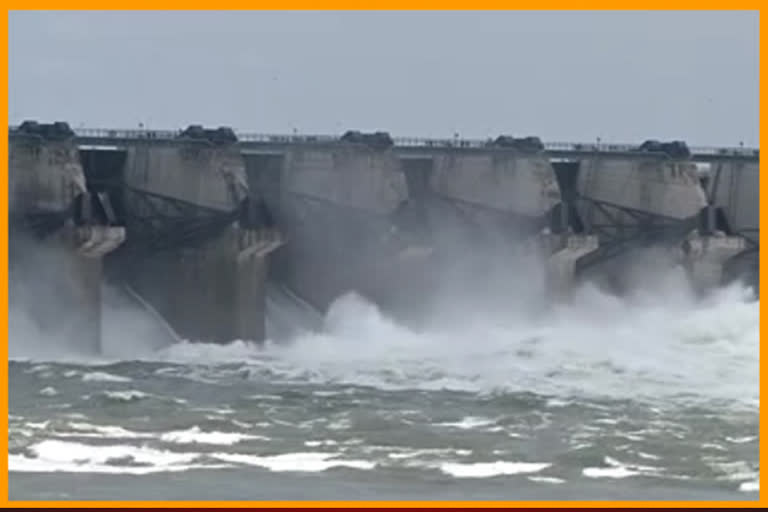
(490, 326)
(48, 311)
(494, 327)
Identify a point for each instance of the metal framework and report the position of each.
(618, 237)
(164, 223)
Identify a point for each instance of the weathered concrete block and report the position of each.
(565, 250)
(60, 262)
(197, 173)
(524, 185)
(43, 176)
(659, 187)
(735, 187)
(705, 257)
(212, 292)
(347, 175)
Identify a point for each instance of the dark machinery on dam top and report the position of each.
(524, 144)
(674, 149)
(58, 130)
(221, 135)
(377, 140)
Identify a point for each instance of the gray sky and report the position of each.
(624, 77)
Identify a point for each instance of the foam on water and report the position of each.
(55, 455)
(637, 347)
(192, 435)
(491, 469)
(308, 461)
(546, 479)
(750, 486)
(617, 469)
(128, 395)
(619, 472)
(468, 423)
(103, 431)
(740, 440)
(198, 436)
(323, 442)
(597, 346)
(648, 456)
(668, 351)
(410, 453)
(104, 377)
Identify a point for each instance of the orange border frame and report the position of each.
(329, 5)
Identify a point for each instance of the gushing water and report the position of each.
(658, 387)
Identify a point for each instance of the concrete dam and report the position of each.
(197, 221)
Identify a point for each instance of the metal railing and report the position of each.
(104, 133)
(268, 138)
(403, 142)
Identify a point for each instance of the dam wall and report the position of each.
(488, 208)
(210, 291)
(197, 221)
(663, 188)
(505, 181)
(733, 188)
(44, 176)
(207, 176)
(651, 200)
(496, 196)
(338, 205)
(56, 243)
(347, 175)
(194, 252)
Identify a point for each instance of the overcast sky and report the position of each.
(624, 77)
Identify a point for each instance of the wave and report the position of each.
(71, 457)
(74, 457)
(598, 346)
(662, 344)
(491, 469)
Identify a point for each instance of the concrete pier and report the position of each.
(653, 199)
(705, 257)
(338, 205)
(565, 250)
(57, 241)
(511, 184)
(618, 194)
(195, 255)
(212, 291)
(733, 190)
(497, 200)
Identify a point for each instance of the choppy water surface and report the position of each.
(637, 399)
